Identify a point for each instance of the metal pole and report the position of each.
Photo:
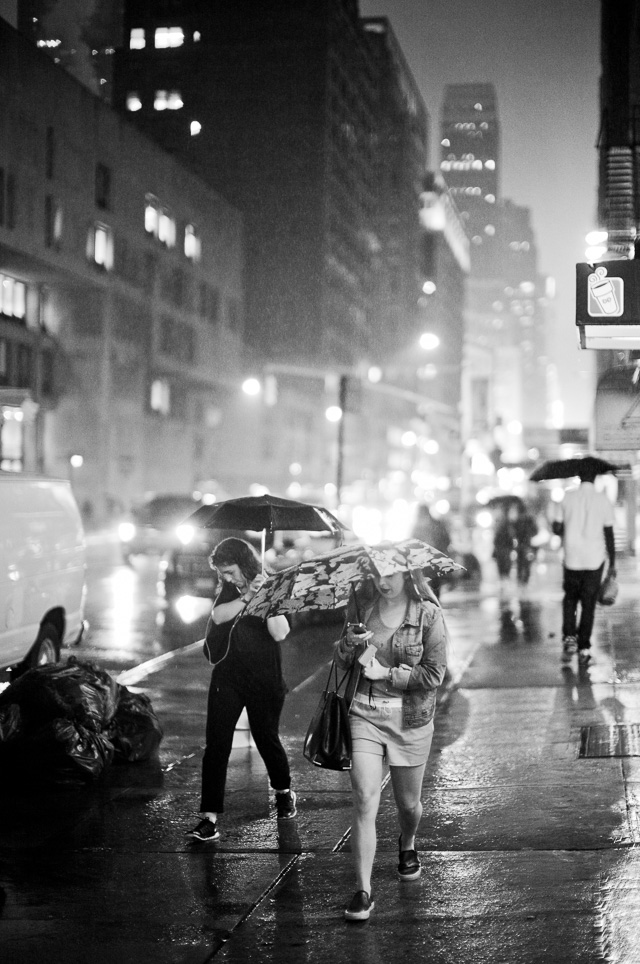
(342, 402)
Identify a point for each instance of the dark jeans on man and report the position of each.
(580, 588)
(226, 701)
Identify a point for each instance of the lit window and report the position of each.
(160, 400)
(13, 297)
(160, 101)
(166, 229)
(445, 165)
(100, 246)
(490, 165)
(151, 211)
(196, 36)
(133, 101)
(52, 222)
(137, 39)
(477, 106)
(174, 100)
(169, 37)
(195, 128)
(192, 244)
(477, 165)
(490, 198)
(490, 230)
(445, 142)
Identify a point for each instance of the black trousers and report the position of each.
(580, 589)
(226, 701)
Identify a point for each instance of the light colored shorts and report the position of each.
(378, 730)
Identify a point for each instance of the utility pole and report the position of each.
(342, 402)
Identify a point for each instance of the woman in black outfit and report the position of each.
(247, 673)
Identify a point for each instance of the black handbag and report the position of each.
(608, 592)
(328, 740)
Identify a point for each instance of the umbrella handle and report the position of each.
(263, 542)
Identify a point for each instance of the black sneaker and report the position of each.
(569, 649)
(409, 867)
(206, 831)
(286, 804)
(360, 907)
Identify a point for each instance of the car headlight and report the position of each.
(185, 533)
(126, 531)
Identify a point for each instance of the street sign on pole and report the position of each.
(608, 305)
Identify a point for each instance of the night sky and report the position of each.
(543, 57)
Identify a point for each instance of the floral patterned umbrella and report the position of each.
(326, 581)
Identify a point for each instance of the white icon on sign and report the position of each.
(606, 295)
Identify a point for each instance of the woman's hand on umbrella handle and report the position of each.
(253, 587)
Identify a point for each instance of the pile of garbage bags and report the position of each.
(64, 723)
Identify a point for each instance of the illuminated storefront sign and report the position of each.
(608, 305)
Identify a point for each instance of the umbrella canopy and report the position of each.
(506, 501)
(326, 581)
(267, 513)
(569, 468)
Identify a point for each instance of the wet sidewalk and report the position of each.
(529, 850)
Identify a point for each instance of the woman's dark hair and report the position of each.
(237, 552)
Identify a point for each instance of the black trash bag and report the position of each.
(135, 730)
(10, 722)
(74, 691)
(59, 754)
(65, 753)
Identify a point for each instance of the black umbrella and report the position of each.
(506, 501)
(569, 468)
(265, 513)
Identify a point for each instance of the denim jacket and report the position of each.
(419, 660)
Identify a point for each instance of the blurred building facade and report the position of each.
(308, 119)
(121, 326)
(507, 379)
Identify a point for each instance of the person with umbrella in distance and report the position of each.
(247, 673)
(586, 528)
(391, 713)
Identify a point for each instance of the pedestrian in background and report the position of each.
(247, 673)
(391, 715)
(433, 530)
(525, 530)
(586, 528)
(504, 541)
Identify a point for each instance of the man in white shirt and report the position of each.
(587, 538)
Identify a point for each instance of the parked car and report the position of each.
(157, 525)
(42, 571)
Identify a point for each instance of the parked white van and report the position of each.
(42, 570)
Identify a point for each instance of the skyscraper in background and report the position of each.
(506, 366)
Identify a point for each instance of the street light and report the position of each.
(251, 387)
(429, 341)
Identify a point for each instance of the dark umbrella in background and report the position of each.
(570, 468)
(505, 502)
(266, 513)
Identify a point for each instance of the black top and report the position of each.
(245, 652)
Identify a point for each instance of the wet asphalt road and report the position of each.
(529, 851)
